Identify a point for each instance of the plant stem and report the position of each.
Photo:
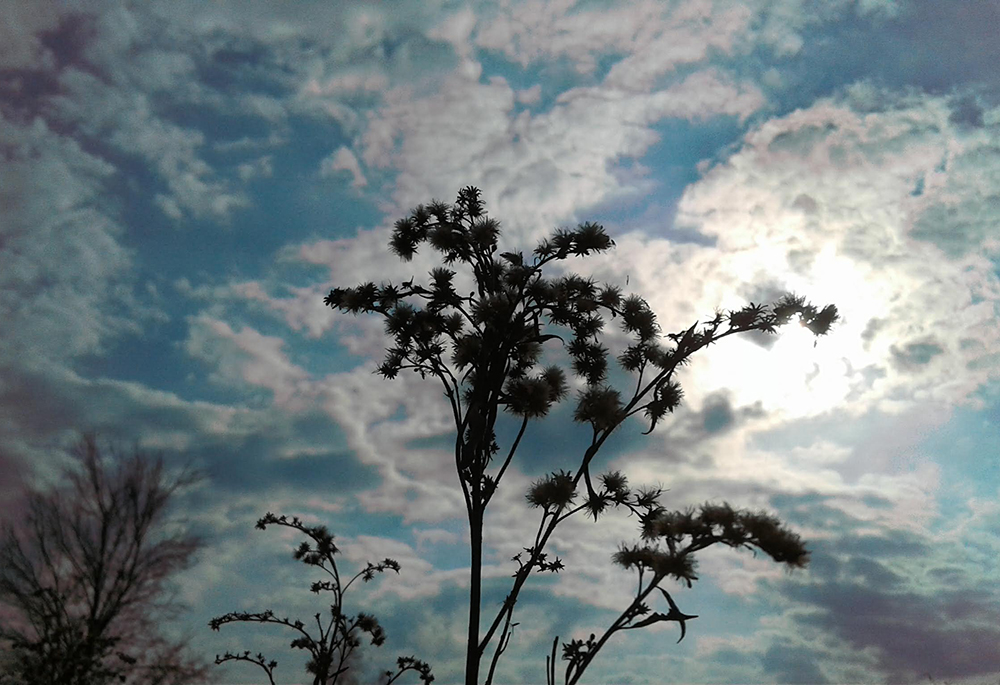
(473, 652)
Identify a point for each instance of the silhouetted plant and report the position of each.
(331, 647)
(484, 349)
(671, 538)
(85, 576)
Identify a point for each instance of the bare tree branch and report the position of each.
(85, 575)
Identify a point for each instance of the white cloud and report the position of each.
(272, 109)
(247, 357)
(417, 580)
(535, 169)
(126, 119)
(883, 8)
(262, 167)
(813, 201)
(530, 31)
(434, 536)
(342, 159)
(822, 202)
(687, 37)
(657, 37)
(456, 29)
(415, 483)
(350, 261)
(65, 274)
(530, 96)
(347, 82)
(106, 93)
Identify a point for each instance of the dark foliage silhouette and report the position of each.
(333, 644)
(485, 349)
(84, 577)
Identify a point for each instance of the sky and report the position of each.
(182, 182)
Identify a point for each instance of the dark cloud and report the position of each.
(960, 229)
(689, 428)
(915, 354)
(800, 141)
(900, 543)
(766, 290)
(869, 594)
(804, 500)
(965, 111)
(871, 330)
(963, 40)
(39, 405)
(823, 566)
(873, 573)
(876, 502)
(948, 575)
(937, 47)
(253, 465)
(811, 510)
(948, 634)
(801, 261)
(12, 484)
(718, 415)
(26, 83)
(793, 664)
(729, 657)
(806, 203)
(298, 452)
(535, 454)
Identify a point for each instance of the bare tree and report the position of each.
(484, 350)
(84, 576)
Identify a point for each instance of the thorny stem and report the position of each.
(617, 625)
(626, 616)
(504, 640)
(522, 574)
(510, 455)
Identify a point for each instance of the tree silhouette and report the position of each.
(485, 348)
(84, 577)
(330, 649)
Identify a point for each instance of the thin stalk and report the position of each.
(615, 627)
(472, 652)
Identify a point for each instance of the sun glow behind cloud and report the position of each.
(797, 375)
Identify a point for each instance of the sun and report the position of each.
(798, 376)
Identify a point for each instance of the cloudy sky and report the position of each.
(182, 182)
